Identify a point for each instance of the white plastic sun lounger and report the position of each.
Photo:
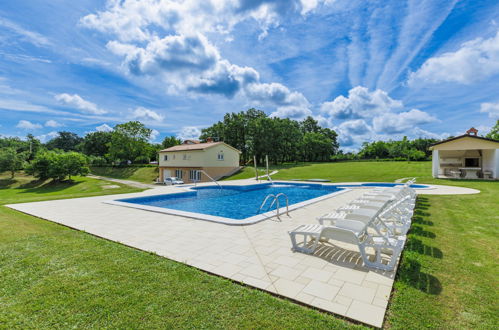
(351, 232)
(368, 217)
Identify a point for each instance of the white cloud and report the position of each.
(393, 123)
(370, 116)
(46, 137)
(154, 135)
(352, 132)
(185, 60)
(134, 20)
(77, 101)
(189, 133)
(142, 113)
(476, 60)
(492, 109)
(52, 123)
(104, 128)
(27, 125)
(30, 36)
(361, 103)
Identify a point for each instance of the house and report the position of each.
(467, 156)
(194, 161)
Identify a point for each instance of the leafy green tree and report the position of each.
(66, 141)
(129, 141)
(96, 144)
(170, 141)
(11, 160)
(42, 165)
(58, 166)
(494, 132)
(73, 163)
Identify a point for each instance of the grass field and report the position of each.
(24, 188)
(56, 277)
(344, 171)
(140, 174)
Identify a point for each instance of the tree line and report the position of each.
(256, 134)
(252, 132)
(69, 154)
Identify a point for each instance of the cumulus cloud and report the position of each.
(393, 123)
(77, 101)
(142, 113)
(476, 60)
(104, 128)
(185, 60)
(52, 123)
(27, 125)
(46, 137)
(361, 103)
(492, 109)
(372, 115)
(134, 20)
(154, 135)
(189, 133)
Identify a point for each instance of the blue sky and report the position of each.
(369, 69)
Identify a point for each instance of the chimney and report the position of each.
(209, 140)
(472, 131)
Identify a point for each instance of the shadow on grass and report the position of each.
(419, 231)
(409, 272)
(6, 183)
(43, 187)
(418, 246)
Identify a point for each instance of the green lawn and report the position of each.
(344, 171)
(24, 188)
(140, 174)
(53, 276)
(56, 277)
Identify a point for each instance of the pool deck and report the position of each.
(258, 255)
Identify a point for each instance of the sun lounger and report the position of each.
(352, 232)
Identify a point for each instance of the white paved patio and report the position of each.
(258, 255)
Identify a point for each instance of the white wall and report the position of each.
(435, 161)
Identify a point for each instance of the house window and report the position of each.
(220, 155)
(195, 175)
(165, 158)
(178, 174)
(185, 156)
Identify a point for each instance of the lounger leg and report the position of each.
(306, 239)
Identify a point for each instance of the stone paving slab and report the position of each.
(259, 255)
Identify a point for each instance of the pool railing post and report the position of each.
(267, 161)
(256, 170)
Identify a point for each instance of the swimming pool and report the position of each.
(238, 205)
(232, 204)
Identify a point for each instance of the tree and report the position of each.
(494, 132)
(96, 144)
(129, 141)
(170, 141)
(11, 160)
(73, 163)
(67, 141)
(58, 166)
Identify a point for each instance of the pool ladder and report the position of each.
(275, 200)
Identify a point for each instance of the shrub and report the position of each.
(58, 166)
(11, 160)
(98, 161)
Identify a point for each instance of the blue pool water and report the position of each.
(236, 202)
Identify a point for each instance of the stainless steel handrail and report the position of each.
(275, 200)
(218, 184)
